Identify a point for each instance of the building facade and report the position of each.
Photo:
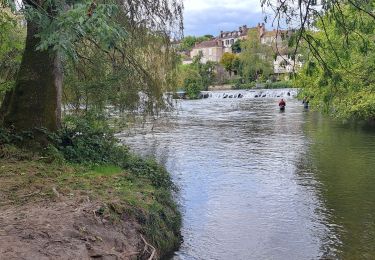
(208, 50)
(214, 49)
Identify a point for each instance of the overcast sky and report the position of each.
(210, 16)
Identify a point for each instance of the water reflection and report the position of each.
(260, 184)
(344, 159)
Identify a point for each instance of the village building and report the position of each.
(274, 37)
(214, 49)
(211, 50)
(229, 38)
(224, 41)
(284, 64)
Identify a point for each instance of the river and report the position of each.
(256, 183)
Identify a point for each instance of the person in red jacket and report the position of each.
(282, 104)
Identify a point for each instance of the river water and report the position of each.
(256, 183)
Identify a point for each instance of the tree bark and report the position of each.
(35, 102)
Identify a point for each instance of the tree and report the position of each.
(229, 62)
(56, 30)
(256, 58)
(190, 80)
(189, 42)
(302, 18)
(236, 47)
(334, 37)
(209, 36)
(344, 84)
(11, 47)
(206, 71)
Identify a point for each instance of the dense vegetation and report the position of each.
(341, 79)
(64, 67)
(85, 158)
(336, 39)
(109, 53)
(188, 42)
(196, 77)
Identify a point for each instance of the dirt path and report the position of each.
(68, 229)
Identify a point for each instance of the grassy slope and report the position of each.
(30, 178)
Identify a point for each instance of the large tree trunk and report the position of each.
(35, 102)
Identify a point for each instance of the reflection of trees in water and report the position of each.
(343, 164)
(161, 152)
(327, 232)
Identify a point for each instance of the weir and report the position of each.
(252, 93)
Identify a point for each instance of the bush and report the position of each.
(193, 90)
(148, 169)
(88, 140)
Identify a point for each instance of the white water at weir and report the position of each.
(252, 93)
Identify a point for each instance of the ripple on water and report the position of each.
(260, 184)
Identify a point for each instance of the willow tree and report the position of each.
(58, 29)
(336, 38)
(256, 58)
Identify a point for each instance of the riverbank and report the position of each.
(54, 209)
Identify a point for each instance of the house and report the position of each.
(211, 50)
(229, 38)
(214, 49)
(284, 64)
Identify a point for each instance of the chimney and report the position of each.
(221, 34)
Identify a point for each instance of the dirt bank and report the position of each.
(52, 210)
(68, 229)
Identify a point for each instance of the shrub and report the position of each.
(88, 139)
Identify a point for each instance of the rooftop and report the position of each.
(207, 44)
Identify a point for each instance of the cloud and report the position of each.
(211, 16)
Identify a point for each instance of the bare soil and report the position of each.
(68, 229)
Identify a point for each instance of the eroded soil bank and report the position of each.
(51, 210)
(68, 229)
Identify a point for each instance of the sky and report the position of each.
(211, 16)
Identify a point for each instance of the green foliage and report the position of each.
(196, 77)
(191, 81)
(206, 71)
(236, 47)
(230, 62)
(256, 58)
(188, 42)
(71, 26)
(89, 140)
(148, 169)
(341, 77)
(11, 46)
(109, 57)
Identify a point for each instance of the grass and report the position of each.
(135, 190)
